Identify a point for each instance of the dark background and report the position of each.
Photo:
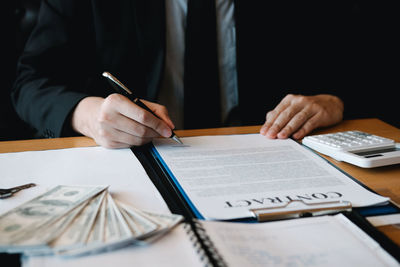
(367, 65)
(18, 19)
(345, 48)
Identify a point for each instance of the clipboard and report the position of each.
(178, 203)
(284, 211)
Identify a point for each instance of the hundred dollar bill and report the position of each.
(25, 221)
(139, 225)
(78, 231)
(163, 220)
(79, 220)
(122, 225)
(96, 235)
(36, 245)
(54, 230)
(165, 223)
(111, 227)
(133, 227)
(116, 232)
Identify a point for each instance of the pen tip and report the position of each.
(176, 139)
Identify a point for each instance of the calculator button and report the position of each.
(347, 140)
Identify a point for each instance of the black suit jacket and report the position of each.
(73, 43)
(306, 48)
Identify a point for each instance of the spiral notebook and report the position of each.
(315, 241)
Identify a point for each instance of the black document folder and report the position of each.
(178, 202)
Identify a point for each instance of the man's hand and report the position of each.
(116, 122)
(298, 115)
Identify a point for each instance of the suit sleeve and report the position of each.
(52, 69)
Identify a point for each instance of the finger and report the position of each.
(273, 115)
(127, 125)
(264, 129)
(294, 123)
(282, 120)
(307, 127)
(112, 138)
(142, 116)
(149, 120)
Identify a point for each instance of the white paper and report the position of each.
(316, 241)
(118, 168)
(225, 176)
(172, 250)
(128, 182)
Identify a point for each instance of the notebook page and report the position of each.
(315, 241)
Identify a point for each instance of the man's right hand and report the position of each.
(116, 122)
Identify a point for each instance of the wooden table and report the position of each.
(383, 180)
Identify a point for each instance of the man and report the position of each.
(60, 91)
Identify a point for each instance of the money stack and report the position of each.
(77, 220)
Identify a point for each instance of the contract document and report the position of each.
(225, 177)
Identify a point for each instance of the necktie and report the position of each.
(201, 83)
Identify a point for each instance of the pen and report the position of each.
(128, 93)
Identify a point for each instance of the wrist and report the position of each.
(84, 115)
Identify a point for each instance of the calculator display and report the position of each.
(376, 152)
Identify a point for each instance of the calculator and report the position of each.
(356, 147)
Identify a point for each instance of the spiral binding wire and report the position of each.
(203, 244)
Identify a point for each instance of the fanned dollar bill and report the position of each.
(116, 232)
(78, 220)
(19, 226)
(149, 223)
(78, 231)
(96, 235)
(163, 220)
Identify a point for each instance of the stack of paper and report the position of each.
(76, 220)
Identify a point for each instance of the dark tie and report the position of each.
(201, 93)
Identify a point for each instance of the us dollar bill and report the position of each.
(111, 228)
(116, 232)
(96, 235)
(78, 220)
(122, 225)
(78, 231)
(163, 220)
(25, 221)
(140, 225)
(37, 245)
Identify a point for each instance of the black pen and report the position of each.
(128, 93)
